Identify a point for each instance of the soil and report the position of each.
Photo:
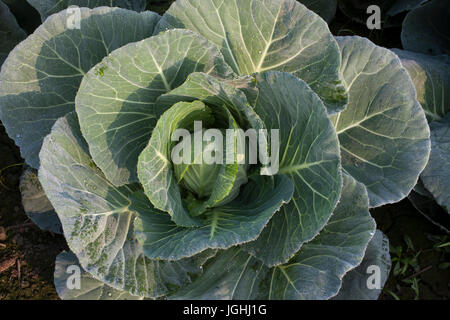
(27, 254)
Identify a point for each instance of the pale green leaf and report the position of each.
(234, 223)
(116, 100)
(309, 155)
(218, 92)
(67, 269)
(41, 77)
(357, 284)
(98, 218)
(262, 35)
(315, 272)
(383, 132)
(49, 7)
(155, 168)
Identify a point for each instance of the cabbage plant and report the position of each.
(95, 109)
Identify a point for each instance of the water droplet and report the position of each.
(109, 294)
(259, 52)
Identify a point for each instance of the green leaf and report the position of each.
(220, 93)
(355, 283)
(436, 176)
(232, 274)
(309, 155)
(41, 77)
(226, 183)
(116, 100)
(49, 7)
(98, 220)
(383, 132)
(315, 272)
(36, 204)
(324, 8)
(426, 29)
(155, 167)
(10, 32)
(431, 77)
(67, 268)
(217, 92)
(257, 36)
(234, 223)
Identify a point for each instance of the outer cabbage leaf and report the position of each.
(10, 32)
(49, 7)
(315, 272)
(116, 100)
(436, 176)
(427, 29)
(36, 204)
(309, 155)
(262, 35)
(324, 8)
(431, 77)
(354, 284)
(383, 132)
(97, 218)
(41, 77)
(234, 223)
(90, 288)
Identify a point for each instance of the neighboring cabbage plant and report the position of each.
(427, 45)
(95, 108)
(431, 77)
(10, 32)
(426, 29)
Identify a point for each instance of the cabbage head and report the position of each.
(94, 109)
